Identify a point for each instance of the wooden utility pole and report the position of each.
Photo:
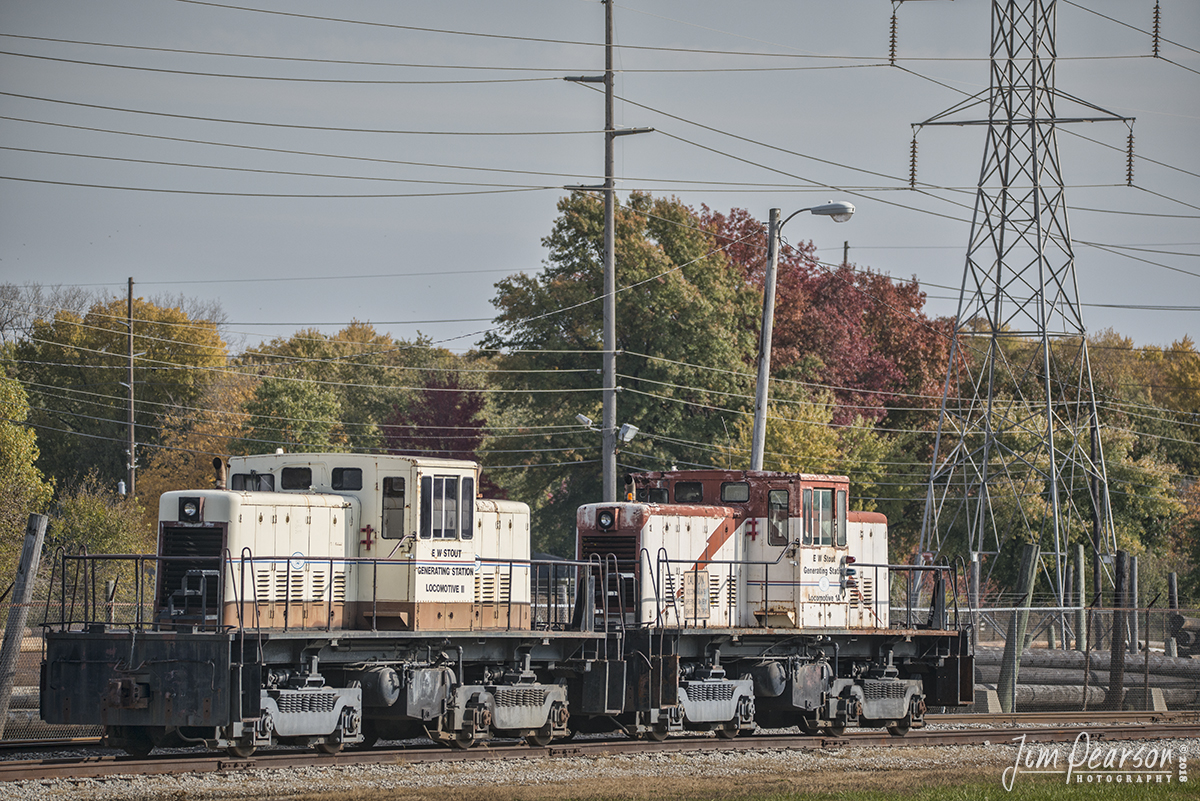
(18, 610)
(132, 464)
(608, 371)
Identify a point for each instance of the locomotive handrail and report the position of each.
(653, 583)
(58, 552)
(731, 562)
(231, 573)
(909, 571)
(258, 649)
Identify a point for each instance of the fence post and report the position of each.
(18, 610)
(1014, 642)
(973, 594)
(1116, 666)
(1169, 646)
(1081, 634)
(1132, 601)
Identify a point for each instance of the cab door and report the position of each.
(822, 557)
(773, 591)
(445, 551)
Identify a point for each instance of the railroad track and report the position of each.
(101, 766)
(1034, 718)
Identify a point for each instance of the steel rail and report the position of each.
(102, 766)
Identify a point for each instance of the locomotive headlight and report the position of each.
(191, 510)
(606, 519)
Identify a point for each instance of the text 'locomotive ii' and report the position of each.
(335, 599)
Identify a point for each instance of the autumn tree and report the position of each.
(193, 437)
(368, 373)
(862, 334)
(90, 516)
(684, 337)
(445, 419)
(442, 420)
(25, 492)
(76, 368)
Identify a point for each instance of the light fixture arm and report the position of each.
(840, 211)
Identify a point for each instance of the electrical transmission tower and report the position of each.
(1018, 453)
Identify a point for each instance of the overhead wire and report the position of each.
(290, 126)
(277, 78)
(264, 171)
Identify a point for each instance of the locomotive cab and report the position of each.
(747, 549)
(344, 540)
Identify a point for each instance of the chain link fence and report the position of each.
(1066, 661)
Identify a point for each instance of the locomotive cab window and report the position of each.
(252, 482)
(346, 478)
(841, 518)
(295, 478)
(777, 517)
(652, 495)
(447, 507)
(821, 522)
(393, 508)
(689, 492)
(805, 522)
(735, 492)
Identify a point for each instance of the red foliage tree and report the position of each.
(442, 420)
(861, 333)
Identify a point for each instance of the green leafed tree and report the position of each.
(685, 339)
(90, 516)
(370, 374)
(294, 413)
(25, 491)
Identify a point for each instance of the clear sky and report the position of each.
(390, 161)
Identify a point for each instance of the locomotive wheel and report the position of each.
(138, 747)
(900, 727)
(728, 730)
(370, 733)
(809, 726)
(463, 739)
(540, 738)
(240, 750)
(656, 733)
(835, 729)
(329, 748)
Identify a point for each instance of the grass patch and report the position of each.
(911, 785)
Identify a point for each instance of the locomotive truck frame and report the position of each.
(334, 599)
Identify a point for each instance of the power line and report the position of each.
(278, 78)
(288, 195)
(292, 126)
(262, 171)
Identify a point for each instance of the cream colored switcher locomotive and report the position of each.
(347, 541)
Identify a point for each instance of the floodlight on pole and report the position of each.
(840, 211)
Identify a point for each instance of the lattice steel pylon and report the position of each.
(1017, 452)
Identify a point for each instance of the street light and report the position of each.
(840, 211)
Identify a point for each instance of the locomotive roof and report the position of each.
(270, 460)
(731, 475)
